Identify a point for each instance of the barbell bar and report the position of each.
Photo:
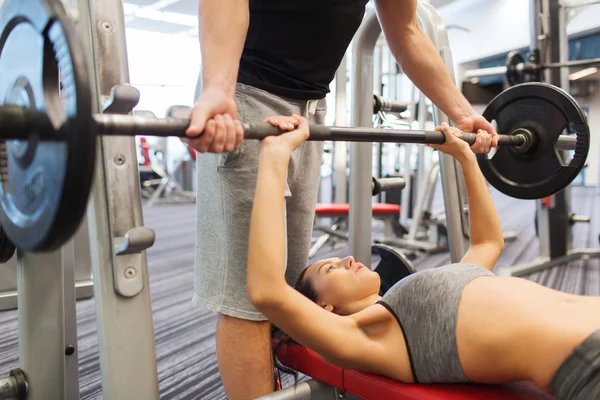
(516, 69)
(18, 123)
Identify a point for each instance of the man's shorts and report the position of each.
(225, 194)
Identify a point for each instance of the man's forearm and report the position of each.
(223, 28)
(483, 216)
(420, 61)
(419, 58)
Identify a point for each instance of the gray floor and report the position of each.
(185, 335)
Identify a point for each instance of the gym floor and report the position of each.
(185, 335)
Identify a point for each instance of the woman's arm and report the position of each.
(487, 240)
(338, 339)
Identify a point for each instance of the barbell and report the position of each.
(48, 132)
(517, 71)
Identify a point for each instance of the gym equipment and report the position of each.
(383, 104)
(393, 267)
(554, 218)
(165, 188)
(517, 71)
(7, 249)
(51, 163)
(340, 211)
(49, 225)
(535, 167)
(330, 381)
(42, 204)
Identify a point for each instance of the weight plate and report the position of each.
(548, 112)
(513, 75)
(7, 248)
(45, 184)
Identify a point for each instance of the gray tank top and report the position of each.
(425, 304)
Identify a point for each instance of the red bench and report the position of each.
(375, 387)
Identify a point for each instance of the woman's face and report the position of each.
(342, 283)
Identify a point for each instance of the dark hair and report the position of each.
(305, 287)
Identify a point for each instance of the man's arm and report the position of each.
(419, 58)
(223, 28)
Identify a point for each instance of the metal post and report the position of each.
(47, 325)
(122, 292)
(83, 272)
(553, 224)
(340, 152)
(307, 390)
(406, 192)
(451, 176)
(361, 154)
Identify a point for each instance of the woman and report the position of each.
(457, 323)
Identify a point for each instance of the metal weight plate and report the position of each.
(44, 184)
(541, 171)
(513, 75)
(7, 248)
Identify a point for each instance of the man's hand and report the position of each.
(214, 118)
(458, 148)
(473, 124)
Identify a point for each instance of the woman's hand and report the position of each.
(460, 149)
(287, 142)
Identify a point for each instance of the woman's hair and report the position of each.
(305, 287)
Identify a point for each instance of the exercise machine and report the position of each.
(548, 61)
(339, 212)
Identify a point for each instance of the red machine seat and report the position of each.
(343, 209)
(375, 387)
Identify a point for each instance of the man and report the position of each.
(262, 58)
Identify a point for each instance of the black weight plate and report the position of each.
(547, 111)
(393, 267)
(45, 184)
(513, 75)
(7, 248)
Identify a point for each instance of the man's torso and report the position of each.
(294, 47)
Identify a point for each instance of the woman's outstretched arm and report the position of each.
(268, 291)
(487, 240)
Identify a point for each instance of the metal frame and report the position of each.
(80, 245)
(123, 307)
(309, 390)
(361, 153)
(48, 325)
(340, 149)
(548, 33)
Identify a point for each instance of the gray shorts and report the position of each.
(226, 185)
(578, 378)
